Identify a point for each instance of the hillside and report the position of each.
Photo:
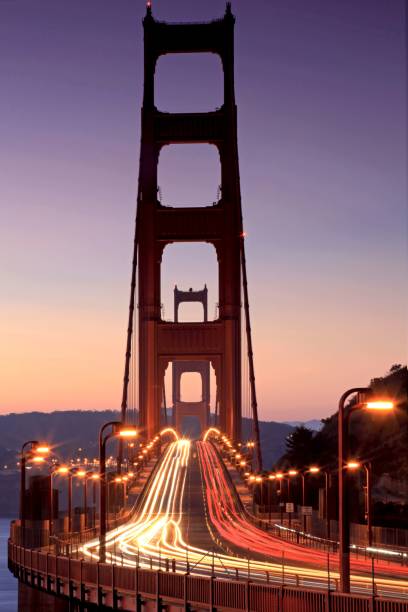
(69, 431)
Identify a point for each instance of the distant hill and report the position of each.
(70, 430)
(74, 433)
(314, 424)
(65, 430)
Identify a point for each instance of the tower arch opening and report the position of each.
(189, 267)
(189, 175)
(189, 82)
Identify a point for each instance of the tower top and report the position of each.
(149, 15)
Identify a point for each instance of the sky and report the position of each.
(321, 94)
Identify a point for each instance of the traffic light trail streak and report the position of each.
(157, 532)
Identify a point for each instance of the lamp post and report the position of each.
(117, 430)
(355, 465)
(292, 473)
(271, 478)
(326, 502)
(37, 450)
(95, 479)
(314, 469)
(82, 474)
(61, 470)
(280, 479)
(259, 481)
(343, 452)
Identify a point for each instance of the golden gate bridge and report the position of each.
(190, 540)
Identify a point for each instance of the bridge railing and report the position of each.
(103, 584)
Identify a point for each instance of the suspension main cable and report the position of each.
(254, 403)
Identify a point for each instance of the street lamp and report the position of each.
(314, 469)
(123, 432)
(280, 478)
(355, 465)
(82, 474)
(37, 451)
(271, 477)
(61, 470)
(95, 478)
(291, 473)
(364, 402)
(317, 470)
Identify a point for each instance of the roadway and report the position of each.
(191, 519)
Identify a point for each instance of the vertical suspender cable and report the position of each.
(254, 403)
(130, 328)
(129, 340)
(165, 403)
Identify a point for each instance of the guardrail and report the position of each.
(129, 588)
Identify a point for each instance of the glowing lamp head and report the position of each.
(279, 475)
(353, 465)
(293, 472)
(125, 478)
(272, 477)
(38, 460)
(128, 432)
(42, 449)
(252, 478)
(247, 474)
(314, 469)
(242, 463)
(63, 470)
(118, 479)
(258, 479)
(81, 473)
(382, 405)
(131, 474)
(95, 476)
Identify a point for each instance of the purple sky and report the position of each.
(321, 94)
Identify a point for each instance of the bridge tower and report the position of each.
(219, 341)
(201, 408)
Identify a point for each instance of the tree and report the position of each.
(300, 447)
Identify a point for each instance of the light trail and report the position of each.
(232, 525)
(156, 532)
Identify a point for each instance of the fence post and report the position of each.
(98, 588)
(137, 596)
(186, 606)
(211, 593)
(46, 572)
(281, 596)
(158, 602)
(81, 584)
(114, 594)
(247, 608)
(69, 577)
